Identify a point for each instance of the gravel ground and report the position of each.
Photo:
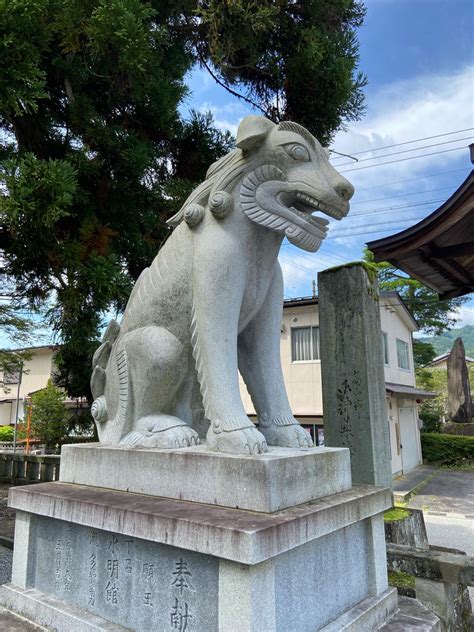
(7, 515)
(6, 556)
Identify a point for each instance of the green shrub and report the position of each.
(447, 449)
(431, 421)
(6, 433)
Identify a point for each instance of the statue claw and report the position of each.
(290, 436)
(246, 440)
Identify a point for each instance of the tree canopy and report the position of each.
(95, 153)
(434, 316)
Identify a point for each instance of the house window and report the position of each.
(304, 344)
(403, 355)
(385, 347)
(11, 377)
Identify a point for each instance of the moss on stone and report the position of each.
(370, 268)
(395, 514)
(398, 579)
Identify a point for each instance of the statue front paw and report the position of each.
(246, 440)
(162, 431)
(289, 436)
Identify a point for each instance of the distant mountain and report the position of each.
(444, 342)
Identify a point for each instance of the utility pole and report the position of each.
(313, 282)
(15, 433)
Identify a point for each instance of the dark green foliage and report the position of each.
(431, 421)
(297, 60)
(94, 153)
(48, 415)
(94, 156)
(433, 411)
(446, 449)
(432, 315)
(423, 352)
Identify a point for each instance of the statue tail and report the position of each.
(99, 365)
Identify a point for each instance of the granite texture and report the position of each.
(138, 584)
(210, 304)
(367, 615)
(146, 586)
(238, 535)
(281, 478)
(354, 400)
(53, 613)
(14, 623)
(411, 617)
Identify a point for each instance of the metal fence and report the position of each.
(21, 469)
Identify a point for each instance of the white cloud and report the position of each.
(465, 314)
(417, 108)
(228, 115)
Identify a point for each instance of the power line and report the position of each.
(405, 151)
(393, 208)
(391, 184)
(390, 197)
(364, 232)
(409, 142)
(390, 162)
(384, 223)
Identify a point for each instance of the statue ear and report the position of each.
(252, 132)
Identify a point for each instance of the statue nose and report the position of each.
(344, 189)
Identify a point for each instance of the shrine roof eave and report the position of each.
(432, 251)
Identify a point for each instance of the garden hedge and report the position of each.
(6, 433)
(448, 449)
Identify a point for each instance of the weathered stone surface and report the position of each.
(409, 531)
(449, 601)
(280, 478)
(354, 401)
(142, 584)
(412, 616)
(242, 536)
(459, 390)
(138, 584)
(53, 613)
(435, 564)
(210, 303)
(14, 623)
(368, 614)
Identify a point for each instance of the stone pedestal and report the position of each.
(92, 558)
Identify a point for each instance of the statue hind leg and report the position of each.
(154, 363)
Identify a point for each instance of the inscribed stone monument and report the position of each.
(459, 389)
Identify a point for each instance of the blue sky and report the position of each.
(418, 56)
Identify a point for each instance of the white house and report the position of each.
(35, 375)
(302, 373)
(37, 370)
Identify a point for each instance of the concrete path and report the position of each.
(446, 492)
(405, 485)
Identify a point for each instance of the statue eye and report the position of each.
(297, 151)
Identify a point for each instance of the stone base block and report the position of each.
(148, 563)
(281, 478)
(411, 616)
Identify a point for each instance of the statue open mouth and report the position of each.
(308, 204)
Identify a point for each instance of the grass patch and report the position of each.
(397, 579)
(394, 514)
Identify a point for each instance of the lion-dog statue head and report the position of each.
(286, 179)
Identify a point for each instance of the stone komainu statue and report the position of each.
(210, 304)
